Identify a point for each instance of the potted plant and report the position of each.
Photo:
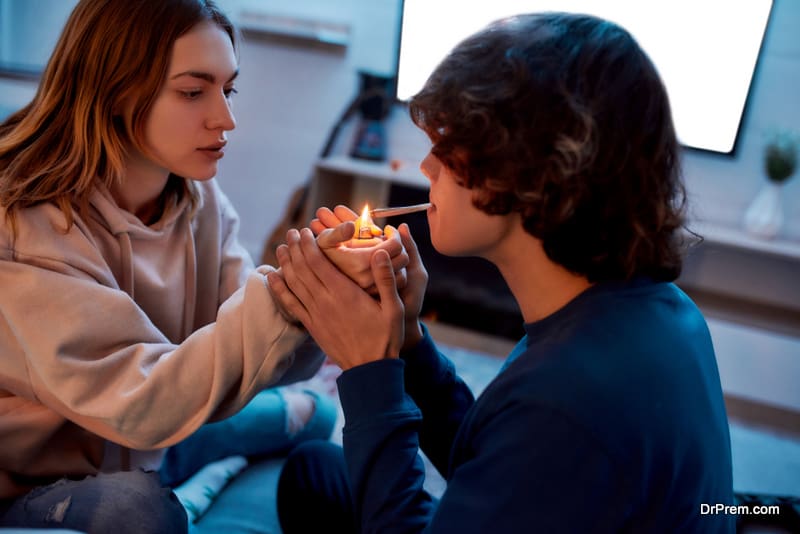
(764, 216)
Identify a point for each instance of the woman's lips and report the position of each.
(214, 151)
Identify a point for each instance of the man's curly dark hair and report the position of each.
(564, 119)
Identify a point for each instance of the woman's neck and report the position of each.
(141, 190)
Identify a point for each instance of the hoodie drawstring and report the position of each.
(126, 261)
(190, 280)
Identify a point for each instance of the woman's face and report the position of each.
(457, 227)
(185, 129)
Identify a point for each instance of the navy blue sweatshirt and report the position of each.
(607, 417)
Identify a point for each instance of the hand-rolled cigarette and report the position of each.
(380, 213)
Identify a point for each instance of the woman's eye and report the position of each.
(230, 91)
(191, 95)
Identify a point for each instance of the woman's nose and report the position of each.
(222, 115)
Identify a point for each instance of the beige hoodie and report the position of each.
(133, 334)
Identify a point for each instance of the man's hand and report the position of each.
(413, 294)
(349, 325)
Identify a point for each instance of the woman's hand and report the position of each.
(330, 219)
(348, 324)
(352, 256)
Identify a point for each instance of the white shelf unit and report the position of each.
(739, 239)
(354, 182)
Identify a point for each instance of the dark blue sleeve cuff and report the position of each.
(426, 368)
(422, 351)
(373, 388)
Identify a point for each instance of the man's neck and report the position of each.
(540, 286)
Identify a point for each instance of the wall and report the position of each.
(26, 29)
(721, 186)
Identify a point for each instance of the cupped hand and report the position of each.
(353, 256)
(348, 324)
(413, 291)
(329, 219)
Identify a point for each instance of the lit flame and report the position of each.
(366, 220)
(365, 227)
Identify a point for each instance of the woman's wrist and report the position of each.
(287, 316)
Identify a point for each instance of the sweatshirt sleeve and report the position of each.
(506, 475)
(442, 396)
(236, 266)
(86, 351)
(380, 447)
(383, 429)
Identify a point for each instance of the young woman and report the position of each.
(555, 158)
(130, 315)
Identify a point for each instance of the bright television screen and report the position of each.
(705, 50)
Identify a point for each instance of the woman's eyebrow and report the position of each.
(206, 76)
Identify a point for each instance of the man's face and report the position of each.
(457, 227)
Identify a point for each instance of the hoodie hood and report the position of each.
(153, 256)
(119, 221)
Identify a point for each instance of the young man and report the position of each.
(555, 158)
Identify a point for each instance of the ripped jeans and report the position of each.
(126, 502)
(260, 429)
(141, 502)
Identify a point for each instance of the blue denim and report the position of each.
(259, 429)
(140, 502)
(127, 502)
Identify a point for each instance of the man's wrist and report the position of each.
(413, 335)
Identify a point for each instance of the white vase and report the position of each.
(764, 216)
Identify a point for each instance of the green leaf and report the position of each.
(780, 159)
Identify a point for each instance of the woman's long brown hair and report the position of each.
(112, 57)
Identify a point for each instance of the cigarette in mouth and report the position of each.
(400, 210)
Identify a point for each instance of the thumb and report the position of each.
(384, 277)
(409, 244)
(331, 237)
(392, 309)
